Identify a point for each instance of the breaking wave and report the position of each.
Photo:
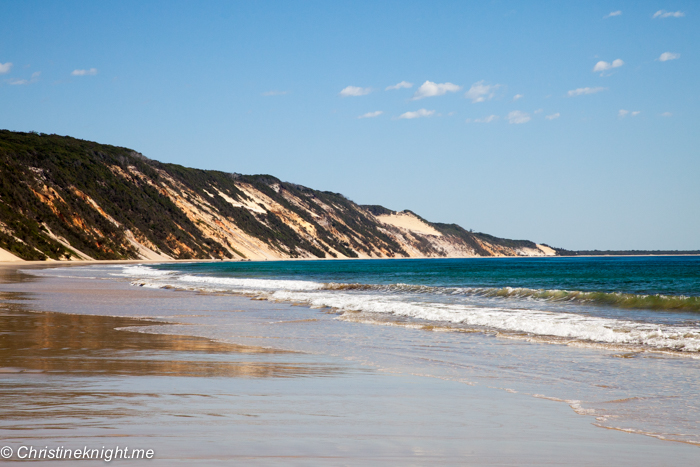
(614, 299)
(456, 307)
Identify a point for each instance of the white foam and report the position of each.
(251, 284)
(515, 320)
(543, 323)
(143, 271)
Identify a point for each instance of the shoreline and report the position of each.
(557, 431)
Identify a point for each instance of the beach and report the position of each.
(349, 233)
(102, 363)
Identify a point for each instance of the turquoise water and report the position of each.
(668, 275)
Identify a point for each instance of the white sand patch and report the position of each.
(64, 242)
(547, 250)
(7, 256)
(410, 222)
(144, 251)
(249, 206)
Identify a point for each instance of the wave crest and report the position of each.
(614, 299)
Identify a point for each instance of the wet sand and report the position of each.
(73, 379)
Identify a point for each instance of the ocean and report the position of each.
(615, 338)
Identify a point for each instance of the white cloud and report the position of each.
(480, 92)
(489, 119)
(538, 111)
(20, 82)
(666, 56)
(401, 85)
(582, 91)
(430, 89)
(417, 114)
(5, 68)
(518, 117)
(91, 71)
(355, 91)
(668, 14)
(275, 93)
(517, 96)
(613, 13)
(666, 114)
(605, 66)
(376, 113)
(623, 113)
(553, 116)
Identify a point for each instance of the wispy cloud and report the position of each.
(20, 82)
(613, 13)
(480, 92)
(275, 93)
(517, 117)
(489, 119)
(355, 91)
(401, 85)
(605, 66)
(430, 89)
(666, 114)
(582, 91)
(538, 111)
(553, 116)
(376, 113)
(666, 56)
(668, 14)
(622, 113)
(5, 68)
(90, 72)
(417, 114)
(517, 96)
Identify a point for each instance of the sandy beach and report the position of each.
(73, 373)
(269, 233)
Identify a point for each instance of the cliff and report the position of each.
(62, 198)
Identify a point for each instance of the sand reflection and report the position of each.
(62, 343)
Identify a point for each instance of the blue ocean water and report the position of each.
(666, 275)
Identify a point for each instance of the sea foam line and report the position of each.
(517, 320)
(614, 299)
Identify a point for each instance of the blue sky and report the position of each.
(569, 123)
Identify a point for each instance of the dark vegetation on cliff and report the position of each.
(46, 181)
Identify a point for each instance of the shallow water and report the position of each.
(617, 339)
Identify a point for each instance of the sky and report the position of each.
(573, 124)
